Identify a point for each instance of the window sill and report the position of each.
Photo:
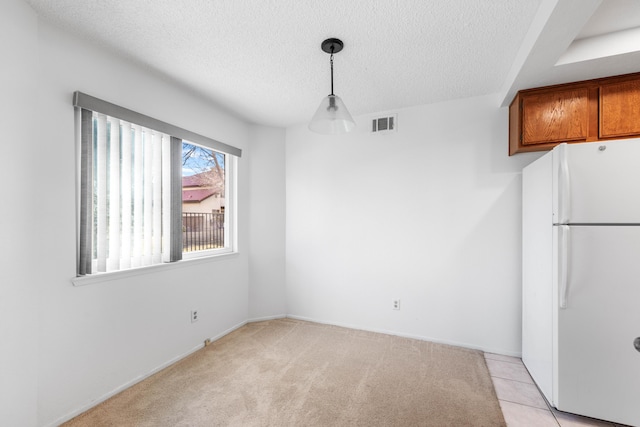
(116, 275)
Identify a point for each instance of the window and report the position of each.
(204, 189)
(150, 192)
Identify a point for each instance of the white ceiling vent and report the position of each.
(384, 124)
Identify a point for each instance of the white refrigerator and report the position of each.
(581, 278)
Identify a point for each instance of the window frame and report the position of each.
(82, 102)
(230, 165)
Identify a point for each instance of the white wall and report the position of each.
(19, 191)
(99, 337)
(267, 223)
(429, 214)
(64, 348)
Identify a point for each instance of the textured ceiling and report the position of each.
(261, 59)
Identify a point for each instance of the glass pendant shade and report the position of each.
(332, 117)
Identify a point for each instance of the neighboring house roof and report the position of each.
(198, 187)
(197, 196)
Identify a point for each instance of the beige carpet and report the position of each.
(293, 373)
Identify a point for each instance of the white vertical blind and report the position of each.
(113, 133)
(136, 260)
(147, 246)
(167, 199)
(156, 186)
(126, 192)
(129, 190)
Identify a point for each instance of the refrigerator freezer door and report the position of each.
(597, 183)
(597, 366)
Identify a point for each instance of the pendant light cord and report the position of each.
(331, 60)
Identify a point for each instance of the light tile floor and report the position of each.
(522, 403)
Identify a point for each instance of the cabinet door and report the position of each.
(620, 109)
(555, 116)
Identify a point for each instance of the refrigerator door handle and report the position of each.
(565, 185)
(564, 265)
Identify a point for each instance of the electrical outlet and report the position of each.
(194, 316)
(396, 304)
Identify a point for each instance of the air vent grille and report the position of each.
(384, 124)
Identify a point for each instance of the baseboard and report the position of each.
(123, 387)
(133, 382)
(228, 331)
(404, 335)
(262, 319)
(136, 380)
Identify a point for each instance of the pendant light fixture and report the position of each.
(332, 116)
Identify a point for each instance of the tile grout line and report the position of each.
(520, 363)
(524, 404)
(555, 419)
(554, 412)
(548, 408)
(506, 361)
(511, 379)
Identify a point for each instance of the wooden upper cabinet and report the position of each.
(539, 119)
(556, 116)
(620, 109)
(592, 110)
